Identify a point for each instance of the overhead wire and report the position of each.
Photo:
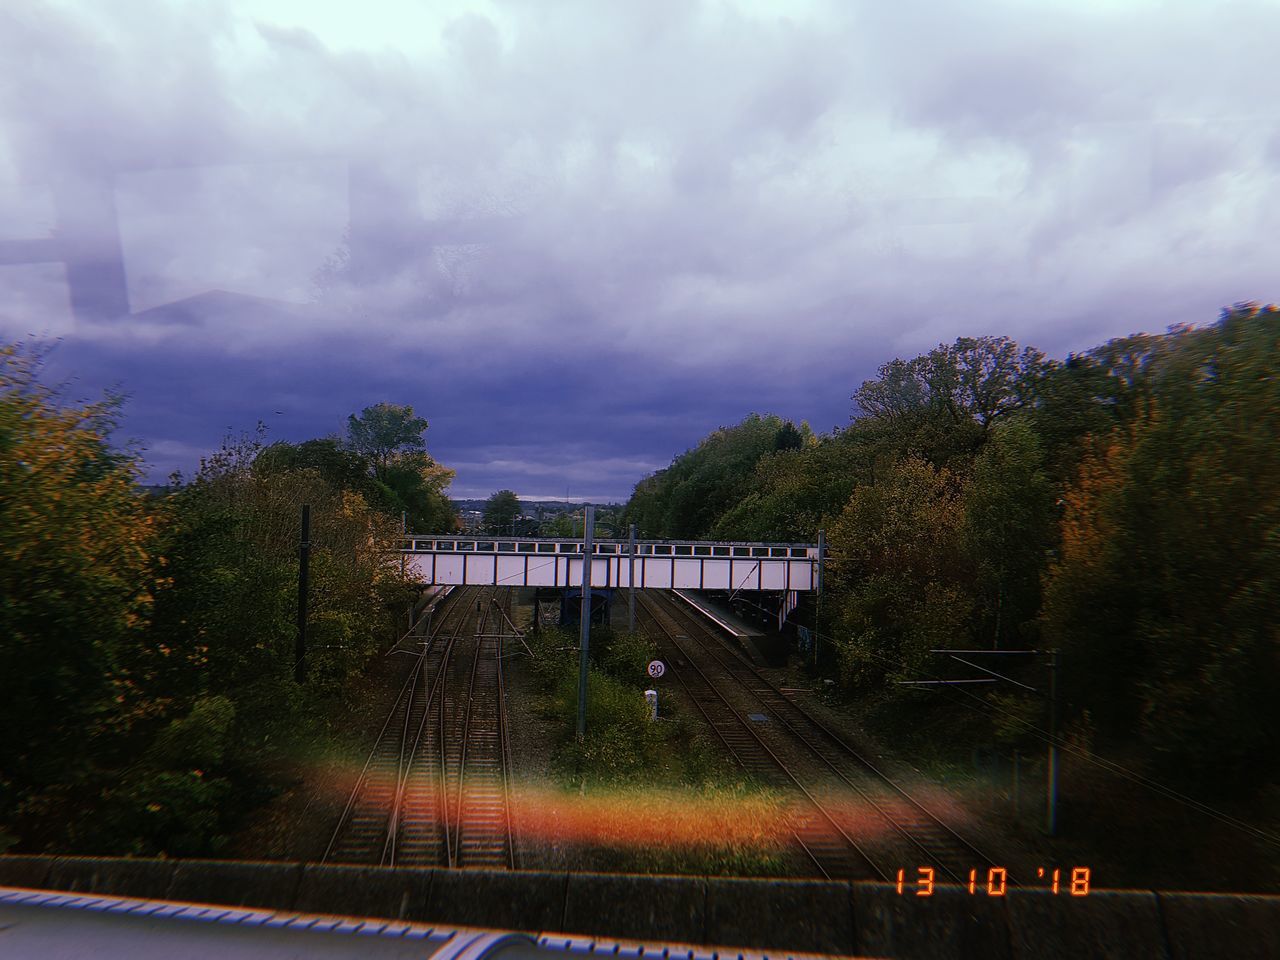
(1065, 745)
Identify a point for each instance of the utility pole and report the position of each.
(1051, 816)
(304, 558)
(631, 583)
(585, 617)
(404, 559)
(817, 603)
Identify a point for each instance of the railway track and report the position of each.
(831, 772)
(428, 795)
(824, 843)
(483, 836)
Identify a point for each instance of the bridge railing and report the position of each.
(644, 548)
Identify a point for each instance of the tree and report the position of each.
(1009, 524)
(940, 406)
(77, 578)
(1075, 402)
(500, 512)
(901, 568)
(384, 430)
(417, 485)
(341, 466)
(685, 500)
(146, 643)
(794, 493)
(1166, 597)
(788, 437)
(233, 569)
(403, 478)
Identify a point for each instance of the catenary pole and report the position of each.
(588, 520)
(817, 601)
(631, 582)
(404, 559)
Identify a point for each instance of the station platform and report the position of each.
(721, 613)
(762, 647)
(433, 595)
(426, 604)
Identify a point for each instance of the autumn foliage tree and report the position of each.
(147, 696)
(1166, 597)
(77, 578)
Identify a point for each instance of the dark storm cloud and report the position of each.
(576, 239)
(561, 426)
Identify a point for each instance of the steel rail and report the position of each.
(506, 740)
(483, 824)
(773, 698)
(450, 738)
(429, 820)
(656, 616)
(362, 782)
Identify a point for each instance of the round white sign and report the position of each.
(657, 668)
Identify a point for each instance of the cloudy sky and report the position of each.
(579, 235)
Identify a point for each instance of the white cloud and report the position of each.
(721, 187)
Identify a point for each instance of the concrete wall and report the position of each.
(863, 919)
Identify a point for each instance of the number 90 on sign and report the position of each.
(657, 668)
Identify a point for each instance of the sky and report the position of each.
(578, 236)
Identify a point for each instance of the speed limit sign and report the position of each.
(657, 668)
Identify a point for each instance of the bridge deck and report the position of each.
(657, 564)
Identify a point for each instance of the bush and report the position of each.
(162, 812)
(554, 659)
(199, 740)
(620, 738)
(627, 656)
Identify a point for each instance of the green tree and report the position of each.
(902, 572)
(384, 459)
(146, 643)
(1093, 393)
(384, 430)
(339, 465)
(940, 406)
(566, 523)
(233, 571)
(1009, 524)
(788, 437)
(1077, 400)
(419, 486)
(796, 492)
(500, 512)
(685, 500)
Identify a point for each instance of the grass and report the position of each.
(643, 795)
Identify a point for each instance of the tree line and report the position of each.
(147, 639)
(1120, 506)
